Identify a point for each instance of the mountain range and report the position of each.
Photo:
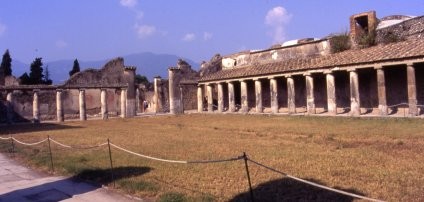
(147, 63)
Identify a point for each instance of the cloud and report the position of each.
(128, 3)
(2, 28)
(144, 31)
(277, 18)
(61, 43)
(207, 36)
(189, 37)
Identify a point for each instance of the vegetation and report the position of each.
(140, 79)
(340, 42)
(367, 39)
(75, 68)
(6, 64)
(36, 75)
(379, 158)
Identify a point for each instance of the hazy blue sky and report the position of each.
(196, 29)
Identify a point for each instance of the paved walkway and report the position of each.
(18, 183)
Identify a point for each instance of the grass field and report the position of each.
(378, 158)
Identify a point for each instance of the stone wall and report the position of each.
(113, 77)
(302, 50)
(413, 28)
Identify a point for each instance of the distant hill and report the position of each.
(148, 64)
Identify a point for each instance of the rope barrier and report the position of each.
(73, 147)
(60, 144)
(148, 157)
(5, 138)
(177, 161)
(29, 144)
(315, 184)
(203, 162)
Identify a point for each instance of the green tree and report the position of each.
(36, 75)
(6, 64)
(47, 79)
(25, 79)
(75, 68)
(140, 79)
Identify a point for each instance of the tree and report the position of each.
(36, 75)
(140, 79)
(6, 64)
(75, 68)
(47, 79)
(25, 79)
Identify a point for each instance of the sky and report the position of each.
(194, 29)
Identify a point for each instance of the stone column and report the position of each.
(130, 106)
(412, 90)
(59, 106)
(231, 101)
(244, 104)
(36, 107)
(331, 94)
(310, 98)
(274, 95)
(291, 103)
(137, 100)
(123, 103)
(258, 93)
(209, 97)
(355, 103)
(9, 103)
(156, 95)
(83, 114)
(220, 98)
(199, 99)
(381, 90)
(174, 94)
(103, 103)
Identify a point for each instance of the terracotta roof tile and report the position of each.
(381, 53)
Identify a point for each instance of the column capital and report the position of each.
(288, 76)
(81, 89)
(378, 67)
(35, 90)
(327, 71)
(307, 74)
(410, 64)
(352, 69)
(59, 90)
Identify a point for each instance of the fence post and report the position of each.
(50, 152)
(13, 146)
(111, 165)
(248, 177)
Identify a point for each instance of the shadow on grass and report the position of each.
(27, 128)
(104, 176)
(286, 189)
(63, 189)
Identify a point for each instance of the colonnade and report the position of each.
(355, 103)
(82, 104)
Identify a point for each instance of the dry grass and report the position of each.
(379, 158)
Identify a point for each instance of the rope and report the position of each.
(29, 144)
(5, 138)
(315, 184)
(148, 157)
(176, 161)
(73, 147)
(216, 161)
(63, 145)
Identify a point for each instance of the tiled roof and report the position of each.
(381, 53)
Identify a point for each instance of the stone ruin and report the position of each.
(109, 91)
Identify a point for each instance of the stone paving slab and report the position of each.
(18, 183)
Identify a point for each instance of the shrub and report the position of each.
(172, 197)
(366, 40)
(340, 42)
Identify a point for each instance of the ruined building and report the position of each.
(379, 72)
(110, 91)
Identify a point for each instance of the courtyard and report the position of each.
(375, 157)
